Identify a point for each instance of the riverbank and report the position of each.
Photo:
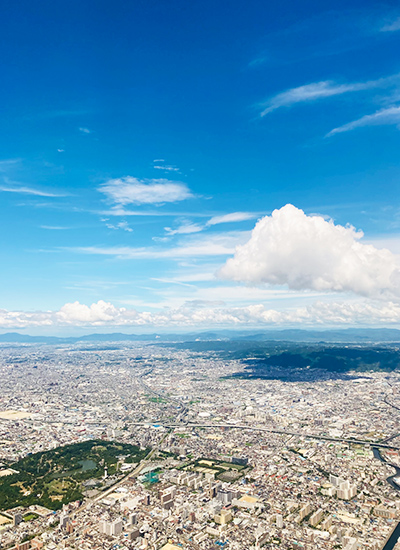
(394, 537)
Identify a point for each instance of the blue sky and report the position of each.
(141, 142)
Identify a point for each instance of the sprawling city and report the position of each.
(147, 446)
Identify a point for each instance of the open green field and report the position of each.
(224, 471)
(53, 478)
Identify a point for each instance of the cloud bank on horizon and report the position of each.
(105, 314)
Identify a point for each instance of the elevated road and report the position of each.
(286, 432)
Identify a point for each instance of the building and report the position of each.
(224, 517)
(316, 517)
(111, 528)
(17, 519)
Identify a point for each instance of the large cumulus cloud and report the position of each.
(309, 252)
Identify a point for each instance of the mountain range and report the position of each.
(350, 335)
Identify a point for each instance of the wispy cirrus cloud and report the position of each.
(121, 225)
(54, 227)
(393, 26)
(166, 167)
(160, 164)
(232, 217)
(329, 32)
(130, 190)
(320, 90)
(130, 253)
(185, 228)
(221, 244)
(120, 210)
(6, 164)
(188, 227)
(387, 116)
(29, 191)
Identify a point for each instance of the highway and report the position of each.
(147, 460)
(132, 473)
(379, 444)
(285, 432)
(184, 410)
(387, 439)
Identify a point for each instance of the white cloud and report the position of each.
(207, 314)
(98, 313)
(120, 211)
(392, 27)
(222, 244)
(166, 167)
(319, 90)
(29, 191)
(54, 227)
(185, 229)
(190, 250)
(236, 295)
(308, 252)
(390, 115)
(392, 242)
(85, 130)
(121, 225)
(196, 277)
(7, 163)
(189, 227)
(232, 217)
(131, 190)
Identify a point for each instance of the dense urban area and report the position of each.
(135, 445)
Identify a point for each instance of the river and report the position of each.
(394, 537)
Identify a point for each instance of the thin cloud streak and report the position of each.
(388, 116)
(30, 191)
(54, 227)
(221, 244)
(320, 90)
(215, 219)
(128, 253)
(232, 217)
(184, 229)
(6, 163)
(119, 211)
(391, 27)
(187, 227)
(167, 168)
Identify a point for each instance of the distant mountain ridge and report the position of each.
(350, 335)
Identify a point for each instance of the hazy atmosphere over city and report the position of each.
(199, 164)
